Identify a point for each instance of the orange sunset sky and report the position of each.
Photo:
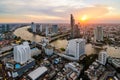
(58, 11)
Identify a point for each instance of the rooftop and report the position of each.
(37, 72)
(116, 62)
(5, 49)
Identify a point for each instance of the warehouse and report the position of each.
(37, 73)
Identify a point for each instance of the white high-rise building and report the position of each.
(46, 31)
(33, 27)
(76, 48)
(41, 28)
(102, 58)
(22, 53)
(98, 34)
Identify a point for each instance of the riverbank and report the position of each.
(26, 35)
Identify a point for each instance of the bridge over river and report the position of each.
(59, 36)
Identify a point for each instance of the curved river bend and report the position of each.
(26, 35)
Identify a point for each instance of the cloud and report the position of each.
(43, 17)
(92, 12)
(54, 10)
(37, 6)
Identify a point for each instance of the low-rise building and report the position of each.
(49, 50)
(71, 71)
(17, 70)
(37, 73)
(102, 58)
(116, 63)
(95, 71)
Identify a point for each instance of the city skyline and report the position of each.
(24, 11)
(59, 51)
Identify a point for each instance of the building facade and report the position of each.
(46, 31)
(102, 58)
(55, 28)
(33, 27)
(98, 34)
(76, 31)
(4, 28)
(72, 23)
(22, 53)
(41, 28)
(76, 48)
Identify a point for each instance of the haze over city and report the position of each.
(49, 11)
(59, 40)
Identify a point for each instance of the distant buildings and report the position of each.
(33, 27)
(76, 31)
(4, 28)
(76, 48)
(98, 34)
(46, 31)
(102, 58)
(22, 53)
(51, 30)
(55, 28)
(41, 28)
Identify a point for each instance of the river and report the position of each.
(26, 35)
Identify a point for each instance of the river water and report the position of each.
(26, 35)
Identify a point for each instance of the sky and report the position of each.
(58, 11)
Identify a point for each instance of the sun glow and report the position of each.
(84, 18)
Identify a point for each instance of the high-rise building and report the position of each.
(76, 48)
(76, 31)
(22, 53)
(98, 34)
(55, 28)
(102, 58)
(4, 28)
(46, 31)
(41, 28)
(33, 27)
(72, 23)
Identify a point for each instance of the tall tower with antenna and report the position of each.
(72, 23)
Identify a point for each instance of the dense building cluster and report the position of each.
(28, 59)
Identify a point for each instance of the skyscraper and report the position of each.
(76, 48)
(41, 28)
(98, 34)
(4, 28)
(22, 53)
(102, 58)
(72, 23)
(76, 32)
(46, 31)
(55, 28)
(33, 27)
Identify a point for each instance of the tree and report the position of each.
(62, 49)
